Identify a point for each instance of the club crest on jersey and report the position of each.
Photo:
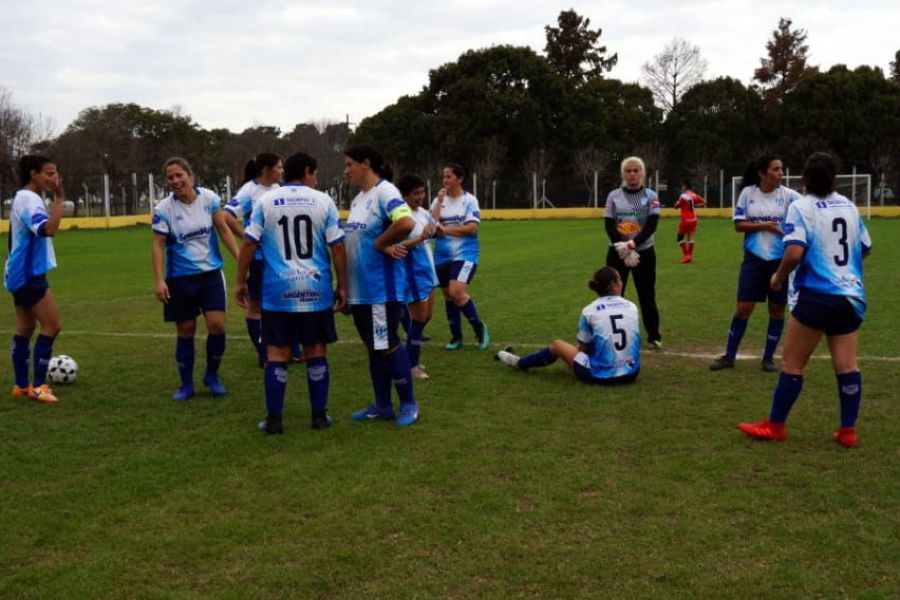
(787, 228)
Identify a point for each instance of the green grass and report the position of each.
(512, 485)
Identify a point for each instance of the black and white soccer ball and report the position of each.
(62, 369)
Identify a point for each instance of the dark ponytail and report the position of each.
(254, 166)
(29, 163)
(760, 165)
(363, 152)
(603, 280)
(818, 174)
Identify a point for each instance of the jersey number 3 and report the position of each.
(302, 238)
(840, 226)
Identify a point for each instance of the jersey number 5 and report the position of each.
(623, 336)
(302, 229)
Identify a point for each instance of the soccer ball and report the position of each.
(62, 369)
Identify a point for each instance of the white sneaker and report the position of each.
(419, 373)
(507, 358)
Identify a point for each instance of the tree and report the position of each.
(20, 130)
(717, 122)
(895, 67)
(786, 64)
(572, 48)
(673, 71)
(853, 114)
(587, 161)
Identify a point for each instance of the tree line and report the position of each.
(510, 113)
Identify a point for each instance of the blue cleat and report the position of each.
(373, 413)
(185, 392)
(454, 344)
(211, 380)
(409, 414)
(484, 338)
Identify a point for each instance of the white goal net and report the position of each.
(856, 186)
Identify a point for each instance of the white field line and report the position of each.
(697, 355)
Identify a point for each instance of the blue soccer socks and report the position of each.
(850, 393)
(773, 334)
(735, 335)
(786, 393)
(43, 350)
(20, 355)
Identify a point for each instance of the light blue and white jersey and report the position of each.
(420, 261)
(835, 239)
(295, 225)
(372, 276)
(756, 206)
(30, 253)
(455, 212)
(192, 245)
(610, 326)
(241, 206)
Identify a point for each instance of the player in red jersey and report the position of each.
(687, 228)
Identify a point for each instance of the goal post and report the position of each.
(855, 186)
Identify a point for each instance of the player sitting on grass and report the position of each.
(609, 338)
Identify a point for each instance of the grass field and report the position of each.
(512, 485)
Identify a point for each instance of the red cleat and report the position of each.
(764, 430)
(846, 437)
(686, 259)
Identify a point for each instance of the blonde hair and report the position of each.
(181, 162)
(633, 160)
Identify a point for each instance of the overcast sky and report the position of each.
(237, 64)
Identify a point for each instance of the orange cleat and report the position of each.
(845, 436)
(764, 430)
(21, 392)
(42, 393)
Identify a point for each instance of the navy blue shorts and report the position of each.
(583, 374)
(254, 280)
(289, 328)
(826, 312)
(377, 323)
(460, 270)
(192, 294)
(753, 282)
(32, 292)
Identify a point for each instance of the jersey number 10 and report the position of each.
(302, 238)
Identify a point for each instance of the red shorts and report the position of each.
(685, 227)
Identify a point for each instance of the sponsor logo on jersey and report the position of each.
(453, 220)
(193, 235)
(788, 228)
(351, 226)
(302, 295)
(156, 219)
(628, 227)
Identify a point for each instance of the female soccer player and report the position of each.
(377, 287)
(687, 227)
(30, 257)
(295, 226)
(826, 241)
(185, 225)
(758, 214)
(261, 174)
(456, 254)
(419, 269)
(609, 338)
(631, 216)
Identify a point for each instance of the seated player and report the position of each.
(609, 338)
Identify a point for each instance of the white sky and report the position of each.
(236, 64)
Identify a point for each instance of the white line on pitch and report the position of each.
(699, 355)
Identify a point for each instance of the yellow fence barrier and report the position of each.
(499, 214)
